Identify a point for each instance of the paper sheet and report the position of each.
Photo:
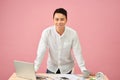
(68, 77)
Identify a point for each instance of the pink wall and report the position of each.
(97, 23)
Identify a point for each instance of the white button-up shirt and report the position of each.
(59, 50)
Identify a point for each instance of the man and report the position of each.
(59, 39)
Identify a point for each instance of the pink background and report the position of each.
(96, 21)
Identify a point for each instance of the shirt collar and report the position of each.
(58, 34)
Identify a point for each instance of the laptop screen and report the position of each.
(25, 70)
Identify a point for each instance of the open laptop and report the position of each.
(26, 70)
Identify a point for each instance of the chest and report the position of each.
(60, 42)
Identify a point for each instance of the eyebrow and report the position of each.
(59, 18)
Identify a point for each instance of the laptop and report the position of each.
(26, 70)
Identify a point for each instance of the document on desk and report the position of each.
(68, 77)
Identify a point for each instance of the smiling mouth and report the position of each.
(60, 25)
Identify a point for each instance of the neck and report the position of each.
(60, 31)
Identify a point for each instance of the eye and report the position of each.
(62, 19)
(57, 19)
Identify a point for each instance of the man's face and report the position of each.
(59, 20)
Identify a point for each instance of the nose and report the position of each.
(59, 21)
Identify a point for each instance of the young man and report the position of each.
(59, 39)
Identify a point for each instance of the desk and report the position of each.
(14, 77)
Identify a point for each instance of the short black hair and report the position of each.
(60, 10)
